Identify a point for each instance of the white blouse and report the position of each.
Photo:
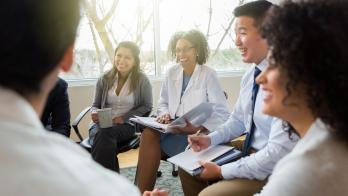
(317, 166)
(122, 103)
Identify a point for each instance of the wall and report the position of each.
(82, 96)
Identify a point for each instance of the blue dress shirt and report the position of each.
(269, 139)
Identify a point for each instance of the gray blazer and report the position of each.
(142, 97)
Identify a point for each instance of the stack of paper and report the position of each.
(197, 116)
(220, 154)
(150, 122)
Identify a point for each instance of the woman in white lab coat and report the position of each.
(186, 85)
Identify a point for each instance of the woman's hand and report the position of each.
(188, 129)
(164, 119)
(118, 120)
(199, 142)
(155, 192)
(94, 116)
(211, 171)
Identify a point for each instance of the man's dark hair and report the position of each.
(35, 35)
(309, 45)
(256, 9)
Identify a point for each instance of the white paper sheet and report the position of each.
(188, 159)
(197, 116)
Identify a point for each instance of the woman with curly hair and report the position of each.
(306, 85)
(186, 85)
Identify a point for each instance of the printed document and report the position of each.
(197, 116)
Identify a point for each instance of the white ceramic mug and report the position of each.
(104, 117)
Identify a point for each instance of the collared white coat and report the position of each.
(202, 87)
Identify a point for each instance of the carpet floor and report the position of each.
(165, 182)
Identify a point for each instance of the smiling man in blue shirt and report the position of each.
(266, 142)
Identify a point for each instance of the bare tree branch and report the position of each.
(226, 31)
(95, 42)
(110, 12)
(138, 39)
(100, 27)
(209, 21)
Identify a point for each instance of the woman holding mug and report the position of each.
(127, 91)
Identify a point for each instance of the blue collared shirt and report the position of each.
(271, 141)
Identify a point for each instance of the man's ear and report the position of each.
(67, 60)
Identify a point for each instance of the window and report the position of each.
(151, 23)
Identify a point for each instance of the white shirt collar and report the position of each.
(262, 65)
(15, 108)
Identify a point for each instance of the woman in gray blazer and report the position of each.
(127, 91)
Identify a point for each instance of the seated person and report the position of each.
(306, 84)
(266, 141)
(128, 92)
(56, 115)
(186, 85)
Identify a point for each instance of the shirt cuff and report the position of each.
(229, 171)
(215, 138)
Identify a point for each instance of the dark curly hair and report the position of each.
(197, 39)
(309, 43)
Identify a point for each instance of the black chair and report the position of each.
(175, 172)
(132, 143)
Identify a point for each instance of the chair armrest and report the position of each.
(77, 121)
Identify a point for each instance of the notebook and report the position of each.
(220, 154)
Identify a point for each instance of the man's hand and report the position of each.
(211, 171)
(188, 129)
(155, 192)
(164, 119)
(118, 120)
(199, 142)
(94, 116)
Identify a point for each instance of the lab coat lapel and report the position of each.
(194, 78)
(178, 77)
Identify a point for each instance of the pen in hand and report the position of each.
(189, 145)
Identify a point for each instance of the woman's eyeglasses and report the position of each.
(183, 50)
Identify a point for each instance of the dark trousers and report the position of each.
(106, 141)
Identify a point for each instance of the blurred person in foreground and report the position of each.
(306, 84)
(37, 42)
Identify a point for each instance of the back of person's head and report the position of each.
(256, 10)
(309, 44)
(198, 41)
(34, 37)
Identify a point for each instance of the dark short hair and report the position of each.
(256, 9)
(34, 37)
(309, 45)
(197, 39)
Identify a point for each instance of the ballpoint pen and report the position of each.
(196, 134)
